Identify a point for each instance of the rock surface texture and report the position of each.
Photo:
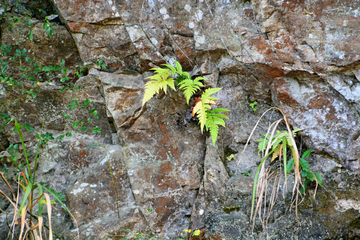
(300, 56)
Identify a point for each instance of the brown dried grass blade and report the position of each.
(40, 221)
(7, 184)
(296, 151)
(48, 205)
(23, 215)
(36, 235)
(12, 203)
(33, 230)
(253, 130)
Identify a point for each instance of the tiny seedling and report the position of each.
(231, 157)
(101, 64)
(247, 173)
(253, 106)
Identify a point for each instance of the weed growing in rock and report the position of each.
(231, 157)
(306, 173)
(209, 118)
(101, 64)
(253, 106)
(276, 144)
(186, 234)
(27, 180)
(247, 173)
(25, 77)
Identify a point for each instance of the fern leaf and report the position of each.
(161, 71)
(209, 92)
(200, 111)
(173, 70)
(216, 110)
(204, 104)
(160, 82)
(214, 120)
(179, 68)
(190, 87)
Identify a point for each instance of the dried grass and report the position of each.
(265, 176)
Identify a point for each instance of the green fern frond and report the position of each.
(203, 105)
(200, 111)
(209, 92)
(214, 120)
(160, 82)
(161, 71)
(173, 70)
(179, 68)
(190, 87)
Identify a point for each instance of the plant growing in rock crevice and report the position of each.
(23, 75)
(26, 178)
(276, 144)
(209, 118)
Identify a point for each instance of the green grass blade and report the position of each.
(61, 203)
(284, 156)
(37, 151)
(26, 196)
(17, 126)
(41, 191)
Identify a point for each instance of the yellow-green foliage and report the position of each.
(190, 87)
(214, 120)
(211, 119)
(160, 82)
(208, 118)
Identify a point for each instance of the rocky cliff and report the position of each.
(300, 56)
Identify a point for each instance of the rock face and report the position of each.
(299, 56)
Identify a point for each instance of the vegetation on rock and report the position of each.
(209, 118)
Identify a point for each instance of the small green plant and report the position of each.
(306, 173)
(276, 144)
(247, 173)
(231, 157)
(48, 26)
(186, 234)
(253, 106)
(27, 180)
(101, 64)
(209, 118)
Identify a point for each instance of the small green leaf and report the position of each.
(68, 134)
(229, 158)
(304, 164)
(289, 165)
(196, 233)
(306, 153)
(318, 178)
(31, 36)
(310, 176)
(304, 174)
(60, 137)
(253, 106)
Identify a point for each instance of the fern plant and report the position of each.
(214, 120)
(208, 118)
(160, 81)
(190, 87)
